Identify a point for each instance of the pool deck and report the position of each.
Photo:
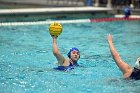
(54, 10)
(131, 16)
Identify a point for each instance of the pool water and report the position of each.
(27, 61)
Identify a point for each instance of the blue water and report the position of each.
(27, 61)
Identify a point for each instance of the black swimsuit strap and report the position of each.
(135, 74)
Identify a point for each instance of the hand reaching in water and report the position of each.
(110, 38)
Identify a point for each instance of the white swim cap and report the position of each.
(137, 64)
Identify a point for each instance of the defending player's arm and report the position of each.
(124, 67)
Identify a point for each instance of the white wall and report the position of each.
(48, 2)
(28, 1)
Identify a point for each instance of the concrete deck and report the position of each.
(54, 10)
(131, 16)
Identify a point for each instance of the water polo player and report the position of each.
(73, 55)
(128, 72)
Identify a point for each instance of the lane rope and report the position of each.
(43, 22)
(66, 21)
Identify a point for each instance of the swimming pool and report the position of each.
(27, 61)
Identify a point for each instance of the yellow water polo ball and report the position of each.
(55, 29)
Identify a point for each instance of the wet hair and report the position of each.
(72, 49)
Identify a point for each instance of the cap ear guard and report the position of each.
(137, 64)
(68, 55)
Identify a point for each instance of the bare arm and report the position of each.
(56, 52)
(124, 67)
